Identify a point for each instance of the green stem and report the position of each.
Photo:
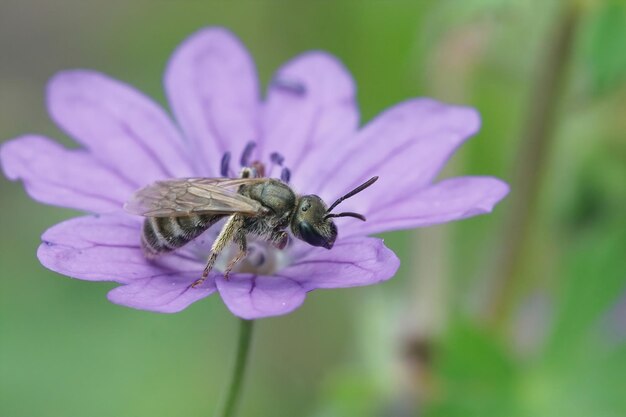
(536, 140)
(234, 391)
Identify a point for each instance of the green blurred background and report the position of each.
(519, 313)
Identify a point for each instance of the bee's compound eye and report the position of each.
(312, 236)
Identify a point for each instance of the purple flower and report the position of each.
(309, 122)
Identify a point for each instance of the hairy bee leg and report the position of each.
(227, 234)
(279, 239)
(240, 239)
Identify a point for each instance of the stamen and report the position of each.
(225, 164)
(259, 167)
(247, 151)
(285, 175)
(277, 158)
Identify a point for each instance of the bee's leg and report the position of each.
(279, 239)
(227, 234)
(240, 239)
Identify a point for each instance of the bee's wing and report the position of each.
(187, 196)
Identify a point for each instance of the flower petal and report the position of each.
(351, 262)
(406, 147)
(168, 292)
(212, 87)
(63, 177)
(121, 126)
(448, 200)
(252, 297)
(311, 104)
(104, 248)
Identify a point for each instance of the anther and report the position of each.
(247, 152)
(277, 158)
(225, 164)
(285, 175)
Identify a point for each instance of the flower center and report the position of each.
(262, 258)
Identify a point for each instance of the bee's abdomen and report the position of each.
(165, 234)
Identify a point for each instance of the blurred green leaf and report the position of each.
(594, 278)
(580, 372)
(606, 49)
(349, 392)
(476, 374)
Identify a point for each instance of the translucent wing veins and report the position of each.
(187, 196)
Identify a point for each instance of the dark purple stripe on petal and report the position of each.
(167, 292)
(448, 200)
(351, 262)
(212, 88)
(165, 171)
(104, 248)
(299, 125)
(63, 177)
(253, 297)
(406, 147)
(122, 127)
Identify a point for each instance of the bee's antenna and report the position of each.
(350, 194)
(346, 214)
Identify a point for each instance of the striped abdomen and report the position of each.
(165, 234)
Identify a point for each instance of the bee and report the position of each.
(179, 210)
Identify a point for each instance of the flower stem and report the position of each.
(535, 144)
(239, 370)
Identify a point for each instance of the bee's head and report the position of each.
(312, 220)
(309, 222)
